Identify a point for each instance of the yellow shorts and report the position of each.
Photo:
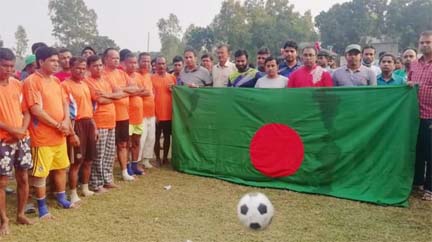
(47, 158)
(136, 129)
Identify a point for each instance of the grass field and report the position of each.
(203, 210)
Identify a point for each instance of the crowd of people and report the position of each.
(69, 118)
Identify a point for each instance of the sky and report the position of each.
(127, 22)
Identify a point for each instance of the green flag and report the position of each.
(354, 143)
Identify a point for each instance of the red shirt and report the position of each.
(307, 77)
(421, 74)
(61, 75)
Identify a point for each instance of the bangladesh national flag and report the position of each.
(355, 143)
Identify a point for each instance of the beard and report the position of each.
(426, 50)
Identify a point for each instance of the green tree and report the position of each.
(74, 25)
(201, 39)
(170, 33)
(21, 41)
(1, 42)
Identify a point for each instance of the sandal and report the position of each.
(427, 196)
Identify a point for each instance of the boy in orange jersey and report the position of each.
(14, 142)
(120, 81)
(103, 96)
(135, 111)
(49, 127)
(81, 114)
(162, 85)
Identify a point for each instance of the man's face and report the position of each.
(261, 60)
(323, 61)
(271, 68)
(160, 65)
(49, 65)
(387, 64)
(241, 63)
(368, 55)
(309, 57)
(131, 65)
(398, 64)
(96, 68)
(78, 70)
(190, 59)
(145, 62)
(290, 54)
(31, 68)
(425, 45)
(222, 54)
(112, 59)
(178, 67)
(7, 68)
(64, 60)
(409, 56)
(87, 53)
(207, 63)
(353, 58)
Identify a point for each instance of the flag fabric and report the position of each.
(355, 143)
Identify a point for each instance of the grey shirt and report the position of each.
(200, 76)
(363, 76)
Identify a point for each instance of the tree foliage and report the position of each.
(74, 25)
(21, 41)
(170, 33)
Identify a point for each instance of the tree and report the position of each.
(21, 41)
(1, 43)
(201, 39)
(170, 33)
(74, 25)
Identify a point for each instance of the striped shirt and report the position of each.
(421, 73)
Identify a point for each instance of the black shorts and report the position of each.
(85, 129)
(122, 131)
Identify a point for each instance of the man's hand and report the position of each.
(74, 140)
(64, 127)
(410, 83)
(192, 85)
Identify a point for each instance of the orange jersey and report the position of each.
(119, 79)
(11, 106)
(105, 114)
(148, 101)
(163, 99)
(78, 93)
(46, 92)
(135, 102)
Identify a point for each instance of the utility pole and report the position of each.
(148, 42)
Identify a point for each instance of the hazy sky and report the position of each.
(126, 21)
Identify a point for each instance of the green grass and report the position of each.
(203, 209)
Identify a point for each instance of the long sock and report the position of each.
(135, 169)
(42, 207)
(129, 169)
(126, 176)
(86, 191)
(74, 196)
(62, 201)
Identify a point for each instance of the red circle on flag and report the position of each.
(276, 150)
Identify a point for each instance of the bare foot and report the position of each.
(22, 219)
(47, 217)
(4, 228)
(111, 186)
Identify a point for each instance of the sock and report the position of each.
(62, 201)
(74, 196)
(86, 191)
(126, 175)
(42, 207)
(135, 169)
(129, 169)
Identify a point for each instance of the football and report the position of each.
(255, 211)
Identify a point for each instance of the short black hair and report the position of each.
(224, 46)
(142, 54)
(368, 47)
(7, 54)
(88, 48)
(44, 53)
(129, 55)
(207, 55)
(264, 51)
(311, 48)
(290, 44)
(387, 55)
(123, 53)
(63, 50)
(37, 45)
(92, 59)
(77, 59)
(239, 53)
(189, 50)
(177, 59)
(107, 50)
(270, 58)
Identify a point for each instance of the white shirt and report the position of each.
(278, 82)
(220, 73)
